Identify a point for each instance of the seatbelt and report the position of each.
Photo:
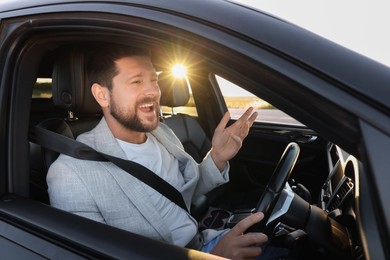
(68, 146)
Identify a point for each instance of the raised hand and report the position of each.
(227, 141)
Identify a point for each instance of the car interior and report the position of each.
(323, 175)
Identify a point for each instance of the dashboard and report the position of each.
(335, 227)
(339, 188)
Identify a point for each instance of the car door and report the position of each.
(271, 132)
(214, 93)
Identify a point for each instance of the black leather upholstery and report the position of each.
(41, 159)
(191, 134)
(174, 93)
(83, 113)
(71, 90)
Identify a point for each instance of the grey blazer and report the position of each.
(103, 192)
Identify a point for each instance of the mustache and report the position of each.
(147, 100)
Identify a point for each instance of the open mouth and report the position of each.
(147, 108)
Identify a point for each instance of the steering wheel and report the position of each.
(275, 186)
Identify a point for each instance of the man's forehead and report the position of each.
(133, 62)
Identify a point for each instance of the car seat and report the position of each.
(175, 93)
(82, 113)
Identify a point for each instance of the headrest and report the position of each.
(71, 90)
(174, 91)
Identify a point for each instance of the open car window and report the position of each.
(238, 99)
(42, 88)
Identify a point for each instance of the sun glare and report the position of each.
(179, 71)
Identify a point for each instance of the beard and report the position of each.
(132, 121)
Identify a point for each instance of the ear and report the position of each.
(101, 94)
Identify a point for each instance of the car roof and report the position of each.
(358, 75)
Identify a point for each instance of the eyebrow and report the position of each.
(134, 76)
(153, 74)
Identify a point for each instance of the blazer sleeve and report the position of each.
(68, 192)
(210, 176)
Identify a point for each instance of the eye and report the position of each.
(138, 81)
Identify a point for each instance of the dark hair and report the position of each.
(101, 67)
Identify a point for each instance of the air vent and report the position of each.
(334, 154)
(340, 194)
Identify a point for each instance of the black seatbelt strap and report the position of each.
(68, 146)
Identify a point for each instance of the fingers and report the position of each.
(251, 239)
(245, 121)
(222, 124)
(252, 118)
(240, 247)
(242, 124)
(246, 115)
(244, 130)
(228, 140)
(237, 245)
(247, 222)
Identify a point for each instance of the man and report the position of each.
(125, 84)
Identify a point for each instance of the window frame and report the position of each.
(218, 89)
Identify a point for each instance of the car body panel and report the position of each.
(49, 233)
(338, 94)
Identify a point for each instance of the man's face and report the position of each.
(135, 95)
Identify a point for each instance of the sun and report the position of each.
(179, 71)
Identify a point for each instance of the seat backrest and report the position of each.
(82, 113)
(174, 93)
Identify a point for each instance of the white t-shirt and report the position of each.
(153, 155)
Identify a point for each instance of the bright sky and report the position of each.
(360, 25)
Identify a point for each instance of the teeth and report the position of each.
(146, 105)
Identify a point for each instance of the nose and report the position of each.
(152, 89)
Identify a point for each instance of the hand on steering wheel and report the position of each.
(275, 186)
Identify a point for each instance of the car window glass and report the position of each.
(42, 88)
(238, 100)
